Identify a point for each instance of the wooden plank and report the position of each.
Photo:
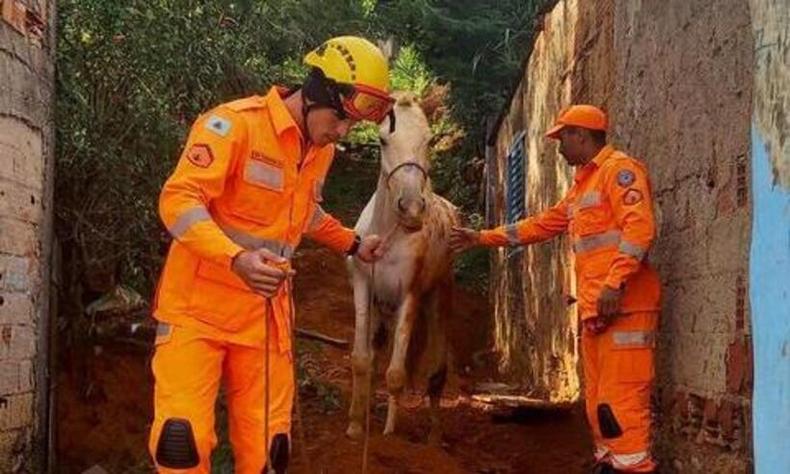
(317, 336)
(518, 401)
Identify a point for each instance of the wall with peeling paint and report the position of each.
(770, 249)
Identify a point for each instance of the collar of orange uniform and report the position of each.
(595, 163)
(281, 118)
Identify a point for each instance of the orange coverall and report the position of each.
(241, 183)
(608, 213)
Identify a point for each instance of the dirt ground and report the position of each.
(104, 392)
(106, 420)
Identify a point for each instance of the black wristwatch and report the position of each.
(354, 246)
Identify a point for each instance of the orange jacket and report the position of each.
(239, 184)
(608, 213)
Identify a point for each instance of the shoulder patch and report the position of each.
(632, 196)
(200, 155)
(626, 178)
(219, 125)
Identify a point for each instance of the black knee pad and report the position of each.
(176, 447)
(608, 423)
(279, 453)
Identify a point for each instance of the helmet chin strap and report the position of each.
(306, 109)
(321, 92)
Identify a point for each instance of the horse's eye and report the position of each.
(382, 141)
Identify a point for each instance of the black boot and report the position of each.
(603, 468)
(279, 454)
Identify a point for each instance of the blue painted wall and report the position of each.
(770, 308)
(769, 262)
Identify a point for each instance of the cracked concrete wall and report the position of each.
(682, 102)
(677, 79)
(26, 177)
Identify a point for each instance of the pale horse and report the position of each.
(406, 297)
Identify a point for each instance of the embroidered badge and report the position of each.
(626, 178)
(632, 196)
(200, 155)
(218, 125)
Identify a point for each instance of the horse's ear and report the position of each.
(389, 48)
(433, 101)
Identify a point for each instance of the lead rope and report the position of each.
(297, 403)
(368, 337)
(266, 402)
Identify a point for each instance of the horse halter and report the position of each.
(403, 165)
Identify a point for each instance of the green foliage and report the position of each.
(475, 45)
(131, 78)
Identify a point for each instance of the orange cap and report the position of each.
(584, 116)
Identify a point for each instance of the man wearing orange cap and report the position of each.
(608, 213)
(245, 191)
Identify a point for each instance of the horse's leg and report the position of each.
(362, 354)
(438, 312)
(396, 372)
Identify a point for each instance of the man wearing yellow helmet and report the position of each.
(246, 189)
(351, 76)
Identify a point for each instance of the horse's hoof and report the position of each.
(389, 431)
(354, 431)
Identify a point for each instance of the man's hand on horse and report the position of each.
(262, 270)
(371, 248)
(462, 239)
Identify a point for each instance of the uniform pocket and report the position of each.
(220, 298)
(265, 174)
(634, 353)
(260, 195)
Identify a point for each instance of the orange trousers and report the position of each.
(619, 369)
(188, 367)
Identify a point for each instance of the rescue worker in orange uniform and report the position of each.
(247, 187)
(608, 213)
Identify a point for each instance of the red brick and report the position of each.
(739, 361)
(711, 411)
(727, 413)
(682, 403)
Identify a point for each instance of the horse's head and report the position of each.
(404, 160)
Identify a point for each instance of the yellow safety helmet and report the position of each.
(361, 73)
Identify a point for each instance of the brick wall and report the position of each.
(26, 172)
